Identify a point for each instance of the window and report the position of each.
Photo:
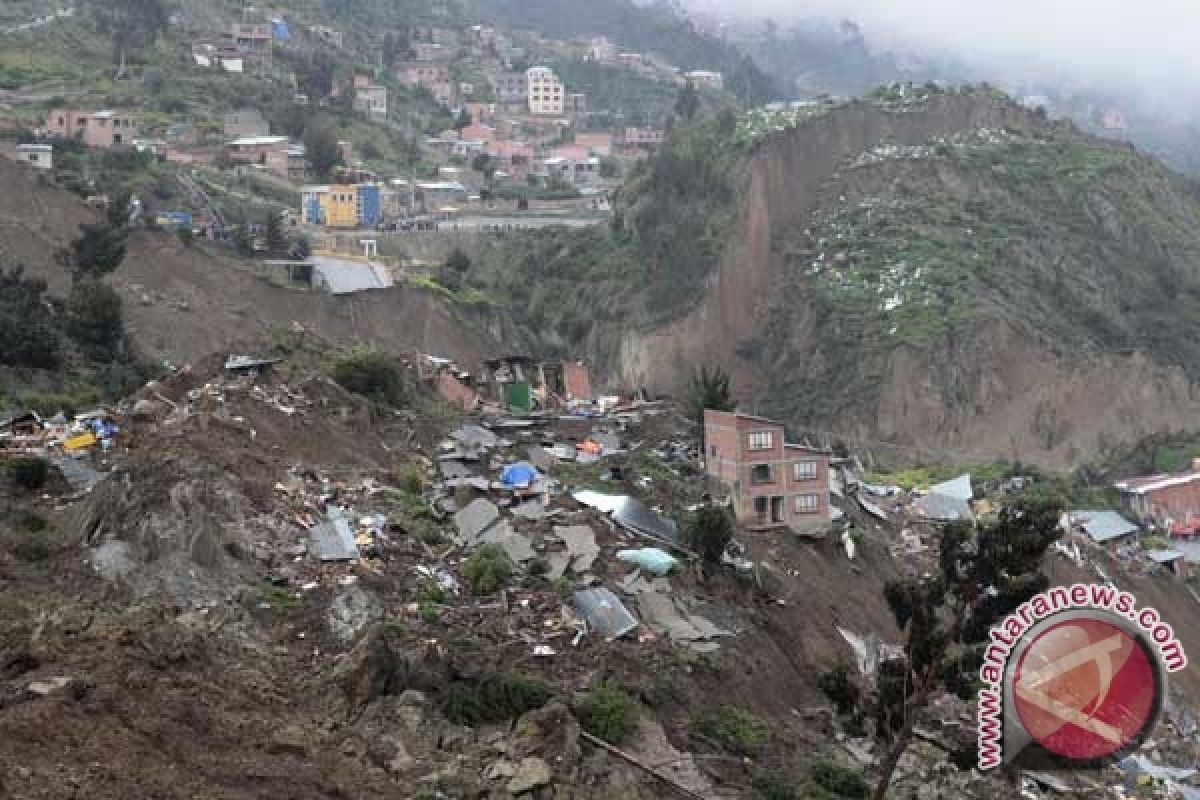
(760, 440)
(712, 451)
(807, 503)
(804, 471)
(760, 506)
(761, 473)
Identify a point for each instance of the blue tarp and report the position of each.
(279, 29)
(519, 474)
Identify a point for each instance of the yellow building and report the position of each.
(339, 206)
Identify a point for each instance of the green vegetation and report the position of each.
(840, 688)
(488, 570)
(672, 220)
(495, 697)
(709, 389)
(837, 781)
(29, 332)
(29, 474)
(609, 713)
(652, 28)
(280, 599)
(373, 375)
(709, 531)
(734, 729)
(945, 627)
(774, 786)
(639, 99)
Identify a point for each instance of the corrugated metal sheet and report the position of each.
(605, 613)
(959, 487)
(338, 276)
(1102, 526)
(943, 508)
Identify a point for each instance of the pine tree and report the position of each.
(985, 573)
(709, 389)
(276, 241)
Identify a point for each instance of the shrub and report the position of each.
(32, 548)
(734, 729)
(609, 713)
(709, 532)
(95, 319)
(431, 594)
(494, 698)
(488, 570)
(28, 473)
(839, 688)
(413, 481)
(840, 781)
(773, 786)
(429, 614)
(373, 375)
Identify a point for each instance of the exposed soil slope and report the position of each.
(184, 303)
(956, 274)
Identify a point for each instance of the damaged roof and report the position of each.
(1102, 526)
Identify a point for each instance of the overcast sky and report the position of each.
(1149, 42)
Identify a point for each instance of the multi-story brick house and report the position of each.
(774, 484)
(1171, 502)
(95, 128)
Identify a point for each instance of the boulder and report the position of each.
(532, 773)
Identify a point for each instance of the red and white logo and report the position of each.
(1085, 688)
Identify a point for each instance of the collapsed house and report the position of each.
(521, 385)
(1168, 502)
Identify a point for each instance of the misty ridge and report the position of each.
(1121, 69)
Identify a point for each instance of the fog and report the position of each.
(1151, 45)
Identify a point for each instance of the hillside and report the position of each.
(654, 28)
(183, 303)
(923, 267)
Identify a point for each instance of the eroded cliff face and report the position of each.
(1004, 385)
(780, 188)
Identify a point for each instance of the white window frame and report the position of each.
(760, 440)
(806, 504)
(808, 473)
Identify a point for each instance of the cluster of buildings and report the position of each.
(531, 126)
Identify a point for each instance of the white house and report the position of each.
(38, 156)
(546, 93)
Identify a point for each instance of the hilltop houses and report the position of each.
(103, 129)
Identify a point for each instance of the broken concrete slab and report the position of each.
(558, 564)
(663, 616)
(517, 546)
(531, 509)
(473, 520)
(636, 583)
(541, 458)
(581, 545)
(475, 437)
(454, 469)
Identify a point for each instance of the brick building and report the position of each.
(774, 484)
(94, 128)
(1171, 501)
